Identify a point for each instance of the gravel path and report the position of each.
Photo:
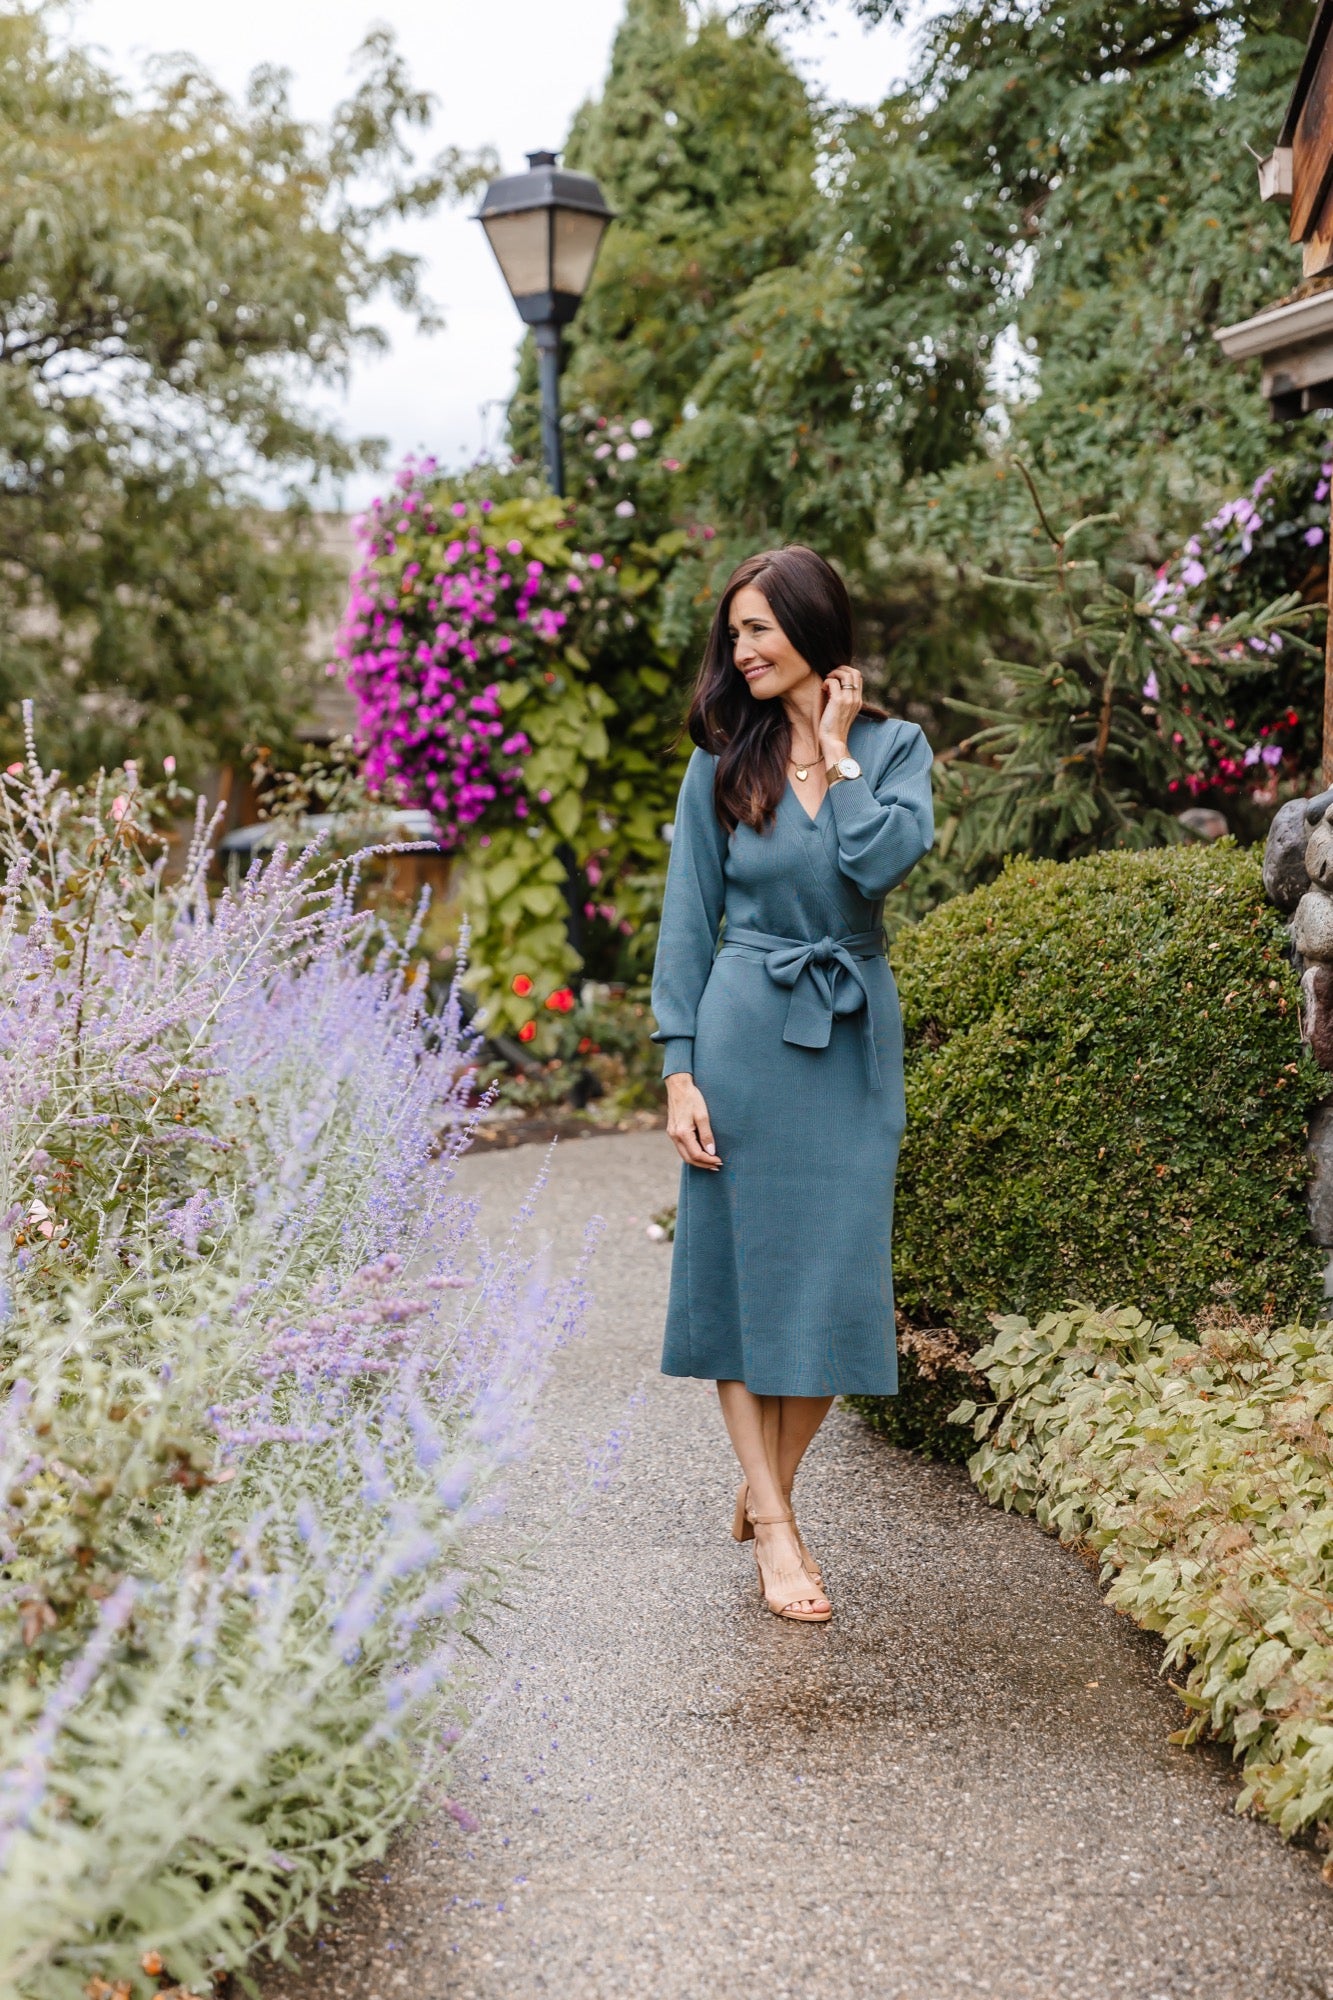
(962, 1786)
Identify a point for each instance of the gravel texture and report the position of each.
(962, 1786)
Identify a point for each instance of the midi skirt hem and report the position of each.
(765, 1386)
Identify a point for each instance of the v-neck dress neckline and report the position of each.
(811, 818)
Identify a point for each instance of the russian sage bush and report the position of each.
(260, 1383)
(1198, 1470)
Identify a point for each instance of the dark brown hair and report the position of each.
(751, 739)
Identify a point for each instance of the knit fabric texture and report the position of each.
(770, 985)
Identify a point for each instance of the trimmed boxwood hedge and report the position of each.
(1106, 1099)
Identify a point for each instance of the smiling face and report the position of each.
(763, 653)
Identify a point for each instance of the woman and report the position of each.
(801, 807)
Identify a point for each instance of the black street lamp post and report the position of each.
(546, 227)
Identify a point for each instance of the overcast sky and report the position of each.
(508, 73)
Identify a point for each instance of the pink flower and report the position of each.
(119, 806)
(168, 765)
(625, 509)
(641, 428)
(514, 548)
(627, 450)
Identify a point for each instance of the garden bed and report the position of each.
(1197, 1472)
(508, 1126)
(261, 1385)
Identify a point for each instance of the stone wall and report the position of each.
(1298, 875)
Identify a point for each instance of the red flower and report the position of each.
(520, 984)
(561, 1001)
(527, 1031)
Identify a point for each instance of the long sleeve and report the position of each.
(886, 819)
(691, 913)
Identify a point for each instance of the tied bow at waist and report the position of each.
(826, 982)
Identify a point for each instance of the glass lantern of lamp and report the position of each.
(546, 227)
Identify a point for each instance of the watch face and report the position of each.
(849, 767)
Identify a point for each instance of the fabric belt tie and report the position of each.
(826, 982)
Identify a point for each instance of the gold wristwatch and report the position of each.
(846, 767)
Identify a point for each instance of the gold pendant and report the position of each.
(802, 774)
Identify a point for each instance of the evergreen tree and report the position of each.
(703, 143)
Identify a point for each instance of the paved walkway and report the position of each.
(962, 1786)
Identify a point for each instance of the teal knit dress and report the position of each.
(781, 1274)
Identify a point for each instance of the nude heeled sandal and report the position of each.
(742, 1530)
(790, 1587)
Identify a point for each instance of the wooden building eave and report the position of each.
(1294, 343)
(1314, 48)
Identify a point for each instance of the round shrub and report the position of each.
(1106, 1099)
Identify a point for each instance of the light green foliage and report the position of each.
(1106, 1096)
(174, 267)
(1198, 1471)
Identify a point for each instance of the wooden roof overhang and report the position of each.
(1294, 341)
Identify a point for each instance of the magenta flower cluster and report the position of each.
(439, 619)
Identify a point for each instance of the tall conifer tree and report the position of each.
(703, 143)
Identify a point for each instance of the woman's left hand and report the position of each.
(842, 705)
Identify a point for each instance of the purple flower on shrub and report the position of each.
(414, 644)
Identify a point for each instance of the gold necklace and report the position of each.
(802, 771)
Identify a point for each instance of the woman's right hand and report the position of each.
(687, 1122)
